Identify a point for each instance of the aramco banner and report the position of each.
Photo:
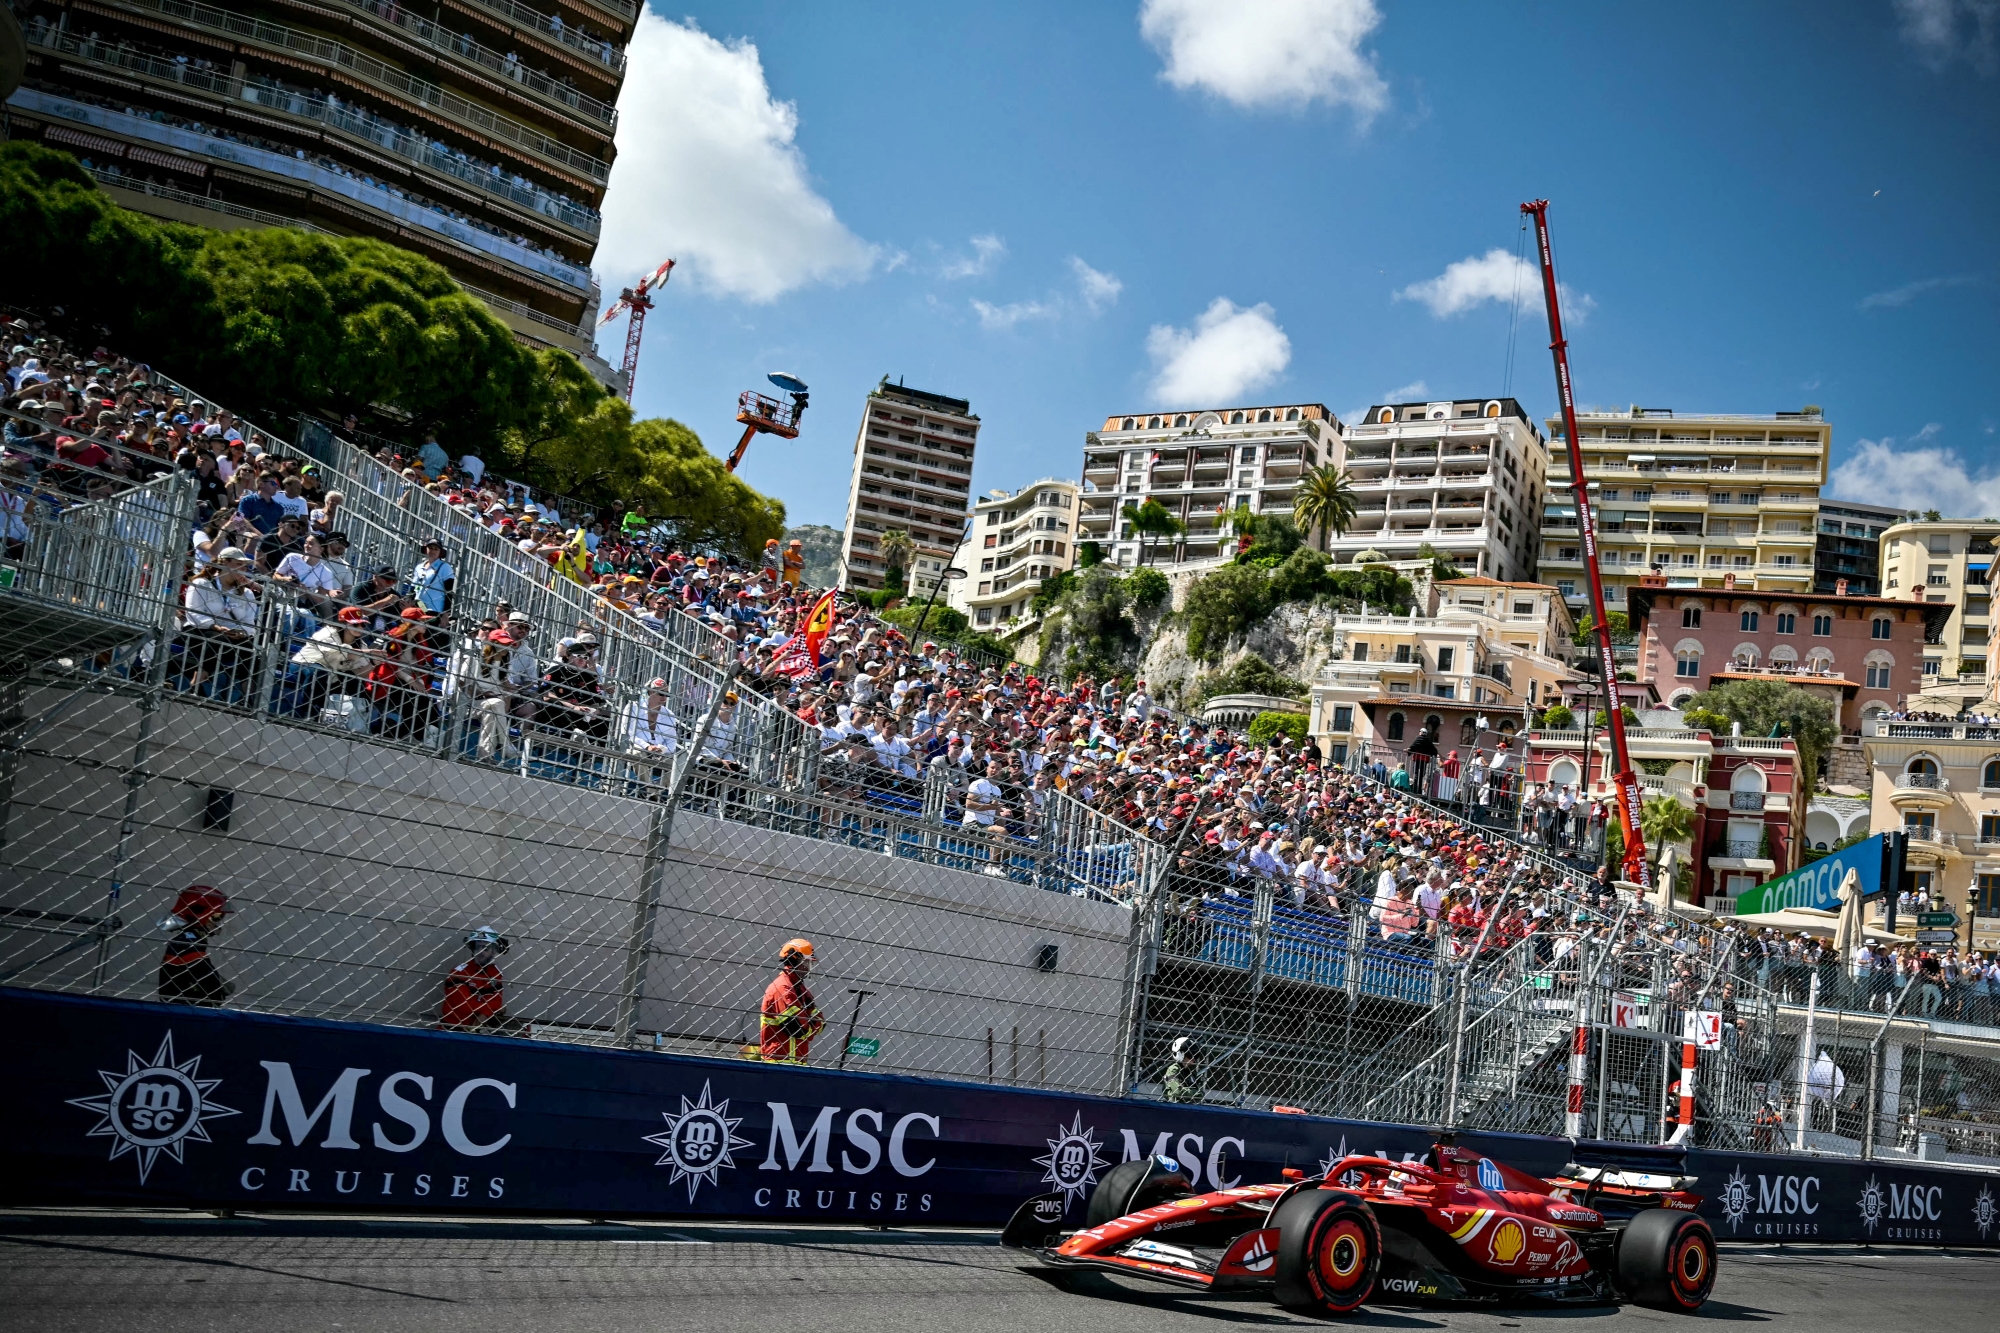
(1818, 885)
(139, 1103)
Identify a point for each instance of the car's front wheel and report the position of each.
(1666, 1259)
(1329, 1252)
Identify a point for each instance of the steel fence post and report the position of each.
(652, 873)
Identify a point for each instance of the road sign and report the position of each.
(1937, 936)
(1703, 1027)
(864, 1046)
(1624, 1011)
(1927, 920)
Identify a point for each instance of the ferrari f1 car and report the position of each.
(1454, 1226)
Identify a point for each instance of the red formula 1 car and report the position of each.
(1456, 1226)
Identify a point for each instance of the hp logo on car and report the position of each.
(1489, 1175)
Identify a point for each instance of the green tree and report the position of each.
(1149, 587)
(1151, 521)
(1267, 727)
(1559, 717)
(1663, 820)
(897, 548)
(1324, 502)
(1222, 604)
(1300, 578)
(1250, 674)
(1773, 708)
(1443, 567)
(1586, 631)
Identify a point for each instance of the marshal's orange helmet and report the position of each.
(795, 949)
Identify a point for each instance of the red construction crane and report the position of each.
(1621, 756)
(638, 300)
(767, 416)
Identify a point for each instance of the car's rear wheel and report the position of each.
(1666, 1259)
(1131, 1186)
(1329, 1252)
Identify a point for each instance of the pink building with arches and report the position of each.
(1866, 654)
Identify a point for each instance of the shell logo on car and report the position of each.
(1507, 1242)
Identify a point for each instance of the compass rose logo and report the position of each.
(1072, 1161)
(154, 1106)
(1874, 1205)
(699, 1142)
(1333, 1156)
(1985, 1211)
(1736, 1198)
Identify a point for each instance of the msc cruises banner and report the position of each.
(1818, 885)
(135, 1103)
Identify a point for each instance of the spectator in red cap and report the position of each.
(187, 975)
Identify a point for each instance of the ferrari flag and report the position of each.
(801, 652)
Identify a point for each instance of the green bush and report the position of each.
(1559, 717)
(1149, 587)
(1251, 675)
(1089, 628)
(1266, 727)
(1223, 604)
(942, 619)
(1300, 578)
(1052, 590)
(1705, 719)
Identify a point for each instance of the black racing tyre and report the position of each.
(1130, 1186)
(1329, 1252)
(1666, 1259)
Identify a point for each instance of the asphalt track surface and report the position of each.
(134, 1273)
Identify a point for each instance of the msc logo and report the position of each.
(1073, 1160)
(154, 1107)
(699, 1142)
(1983, 1211)
(1902, 1203)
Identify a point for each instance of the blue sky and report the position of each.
(1064, 211)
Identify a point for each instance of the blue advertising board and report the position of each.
(1818, 885)
(138, 1103)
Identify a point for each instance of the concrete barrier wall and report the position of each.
(355, 871)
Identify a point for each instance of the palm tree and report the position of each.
(1325, 501)
(1663, 820)
(1151, 519)
(897, 549)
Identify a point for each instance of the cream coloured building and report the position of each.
(1952, 562)
(1478, 658)
(1019, 540)
(1700, 496)
(1463, 477)
(1941, 783)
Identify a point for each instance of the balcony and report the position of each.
(1747, 800)
(378, 74)
(1929, 782)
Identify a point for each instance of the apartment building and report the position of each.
(913, 471)
(1864, 655)
(1941, 783)
(1698, 497)
(478, 135)
(1949, 562)
(1020, 540)
(1201, 466)
(1476, 662)
(1463, 477)
(1847, 545)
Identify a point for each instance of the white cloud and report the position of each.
(1097, 289)
(708, 172)
(1945, 30)
(1269, 53)
(1910, 291)
(1228, 352)
(986, 252)
(1916, 474)
(1498, 275)
(1007, 316)
(1414, 392)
